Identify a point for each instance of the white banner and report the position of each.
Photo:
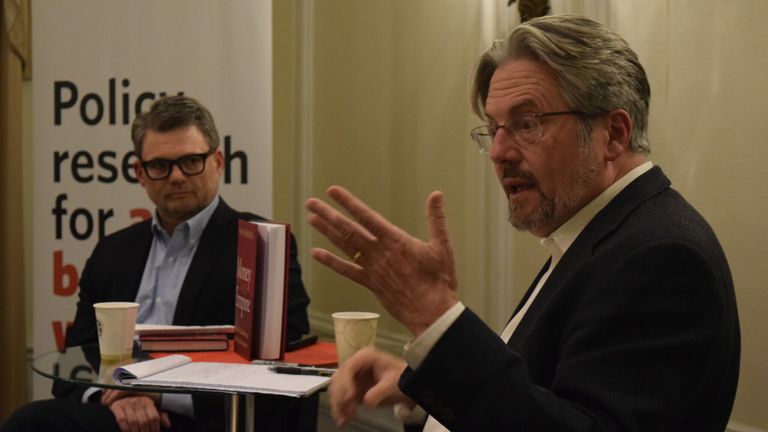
(97, 63)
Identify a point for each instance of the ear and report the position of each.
(218, 159)
(619, 125)
(139, 172)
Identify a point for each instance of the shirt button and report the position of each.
(158, 300)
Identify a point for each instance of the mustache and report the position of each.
(512, 171)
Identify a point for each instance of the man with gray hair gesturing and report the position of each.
(631, 325)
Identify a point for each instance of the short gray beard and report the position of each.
(554, 212)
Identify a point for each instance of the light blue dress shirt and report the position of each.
(167, 264)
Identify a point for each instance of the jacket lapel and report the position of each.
(134, 260)
(528, 293)
(598, 229)
(212, 242)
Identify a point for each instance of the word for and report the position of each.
(82, 222)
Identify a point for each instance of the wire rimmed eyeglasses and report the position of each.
(525, 129)
(189, 164)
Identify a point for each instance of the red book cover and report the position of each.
(263, 250)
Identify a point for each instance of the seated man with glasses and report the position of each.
(631, 325)
(180, 267)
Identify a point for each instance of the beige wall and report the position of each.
(385, 115)
(372, 95)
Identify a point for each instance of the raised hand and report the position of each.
(368, 377)
(413, 279)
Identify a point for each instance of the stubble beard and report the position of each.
(552, 212)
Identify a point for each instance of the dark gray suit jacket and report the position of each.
(636, 329)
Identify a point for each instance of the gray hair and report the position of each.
(170, 113)
(596, 68)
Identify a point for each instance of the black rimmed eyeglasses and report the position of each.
(525, 129)
(190, 164)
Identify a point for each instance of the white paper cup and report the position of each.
(353, 331)
(115, 322)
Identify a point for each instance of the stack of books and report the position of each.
(167, 338)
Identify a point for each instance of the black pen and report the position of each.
(293, 370)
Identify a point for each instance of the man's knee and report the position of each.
(60, 415)
(31, 417)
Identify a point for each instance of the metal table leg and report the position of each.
(233, 413)
(250, 415)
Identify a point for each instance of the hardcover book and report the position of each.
(172, 330)
(199, 342)
(263, 250)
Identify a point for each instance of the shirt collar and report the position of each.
(192, 228)
(560, 240)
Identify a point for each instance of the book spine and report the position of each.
(285, 289)
(247, 239)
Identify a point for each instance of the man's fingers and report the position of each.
(136, 417)
(165, 420)
(151, 420)
(119, 414)
(346, 387)
(340, 266)
(142, 420)
(365, 216)
(343, 411)
(343, 399)
(377, 394)
(436, 220)
(106, 397)
(138, 413)
(111, 395)
(129, 418)
(347, 235)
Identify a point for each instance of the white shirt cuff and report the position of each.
(417, 349)
(88, 393)
(408, 415)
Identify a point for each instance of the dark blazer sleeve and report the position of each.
(112, 273)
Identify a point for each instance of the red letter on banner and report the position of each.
(141, 214)
(59, 271)
(60, 333)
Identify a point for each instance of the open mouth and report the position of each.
(516, 186)
(515, 190)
